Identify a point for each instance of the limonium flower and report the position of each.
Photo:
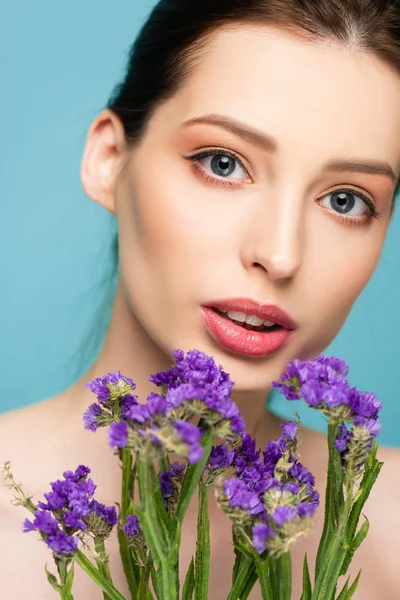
(193, 388)
(323, 385)
(271, 498)
(114, 398)
(70, 511)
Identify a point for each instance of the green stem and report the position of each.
(192, 477)
(126, 493)
(102, 562)
(333, 497)
(262, 568)
(202, 561)
(144, 581)
(151, 527)
(242, 577)
(250, 583)
(65, 591)
(335, 554)
(97, 577)
(281, 576)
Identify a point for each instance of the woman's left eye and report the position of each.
(349, 203)
(221, 166)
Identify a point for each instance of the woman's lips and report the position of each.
(266, 312)
(239, 340)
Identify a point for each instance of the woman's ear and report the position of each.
(102, 158)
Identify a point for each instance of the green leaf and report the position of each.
(262, 567)
(344, 591)
(96, 576)
(144, 581)
(307, 589)
(372, 470)
(353, 587)
(328, 531)
(152, 528)
(250, 583)
(348, 592)
(154, 581)
(188, 586)
(52, 579)
(130, 568)
(245, 570)
(236, 566)
(202, 564)
(69, 579)
(280, 570)
(192, 477)
(355, 544)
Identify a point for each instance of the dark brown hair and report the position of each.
(177, 32)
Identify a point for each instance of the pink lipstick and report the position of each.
(247, 327)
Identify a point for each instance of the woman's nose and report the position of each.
(275, 239)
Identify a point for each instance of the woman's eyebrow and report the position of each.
(370, 167)
(269, 144)
(257, 138)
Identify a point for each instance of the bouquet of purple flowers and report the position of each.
(268, 495)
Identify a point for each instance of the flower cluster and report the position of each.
(323, 385)
(194, 388)
(272, 497)
(114, 397)
(69, 511)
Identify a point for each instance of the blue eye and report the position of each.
(221, 165)
(349, 202)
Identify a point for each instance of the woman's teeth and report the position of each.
(240, 317)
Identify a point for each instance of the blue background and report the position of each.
(59, 63)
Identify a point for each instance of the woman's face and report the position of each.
(259, 180)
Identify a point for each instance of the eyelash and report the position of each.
(350, 221)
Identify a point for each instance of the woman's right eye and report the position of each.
(221, 166)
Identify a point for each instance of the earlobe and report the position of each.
(102, 158)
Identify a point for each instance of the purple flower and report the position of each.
(239, 496)
(118, 435)
(90, 418)
(293, 488)
(131, 526)
(196, 368)
(191, 436)
(73, 520)
(178, 468)
(140, 413)
(344, 437)
(43, 522)
(111, 383)
(281, 514)
(274, 451)
(373, 427)
(221, 457)
(290, 430)
(306, 509)
(61, 543)
(68, 506)
(108, 513)
(127, 403)
(261, 534)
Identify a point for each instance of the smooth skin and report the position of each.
(302, 120)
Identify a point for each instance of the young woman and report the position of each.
(251, 158)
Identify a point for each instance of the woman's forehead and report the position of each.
(317, 97)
